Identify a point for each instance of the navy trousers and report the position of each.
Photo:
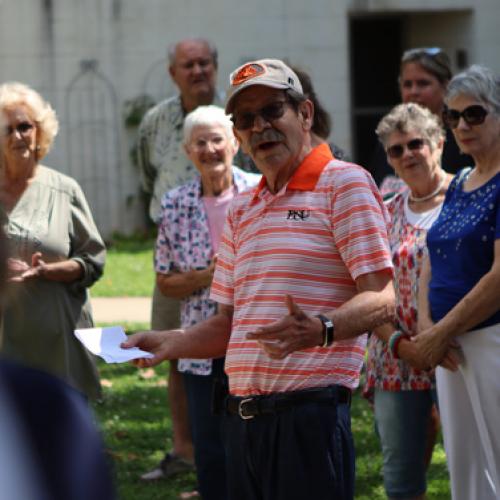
(303, 452)
(207, 433)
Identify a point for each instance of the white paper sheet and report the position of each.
(105, 342)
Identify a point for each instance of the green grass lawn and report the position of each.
(137, 429)
(136, 425)
(129, 269)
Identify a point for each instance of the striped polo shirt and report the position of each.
(311, 240)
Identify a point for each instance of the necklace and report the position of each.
(434, 193)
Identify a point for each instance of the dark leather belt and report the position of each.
(253, 406)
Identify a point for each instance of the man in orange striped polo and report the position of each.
(303, 272)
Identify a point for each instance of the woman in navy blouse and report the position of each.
(459, 302)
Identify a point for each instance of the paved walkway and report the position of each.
(121, 309)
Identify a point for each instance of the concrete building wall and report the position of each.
(88, 57)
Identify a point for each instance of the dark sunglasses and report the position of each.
(397, 150)
(472, 115)
(270, 112)
(22, 128)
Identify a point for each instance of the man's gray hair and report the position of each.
(210, 116)
(172, 48)
(478, 82)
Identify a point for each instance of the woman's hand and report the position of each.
(453, 357)
(65, 271)
(20, 271)
(16, 268)
(408, 351)
(424, 322)
(434, 348)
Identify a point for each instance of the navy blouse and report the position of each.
(461, 243)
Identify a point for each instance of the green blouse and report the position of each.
(39, 316)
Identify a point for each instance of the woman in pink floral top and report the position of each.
(192, 218)
(403, 391)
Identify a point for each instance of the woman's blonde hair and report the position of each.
(19, 94)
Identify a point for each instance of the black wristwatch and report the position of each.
(328, 330)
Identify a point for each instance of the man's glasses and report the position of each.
(472, 115)
(397, 150)
(270, 112)
(23, 128)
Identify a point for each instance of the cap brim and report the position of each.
(258, 81)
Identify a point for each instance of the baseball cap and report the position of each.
(268, 72)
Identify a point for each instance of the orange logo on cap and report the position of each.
(246, 72)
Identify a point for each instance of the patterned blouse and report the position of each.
(184, 244)
(462, 244)
(408, 247)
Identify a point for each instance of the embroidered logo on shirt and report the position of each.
(298, 214)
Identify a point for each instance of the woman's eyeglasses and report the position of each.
(273, 111)
(472, 115)
(22, 128)
(397, 150)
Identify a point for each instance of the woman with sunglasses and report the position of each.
(423, 78)
(459, 302)
(403, 391)
(56, 250)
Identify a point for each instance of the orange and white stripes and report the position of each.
(311, 242)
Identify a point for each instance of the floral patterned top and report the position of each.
(391, 186)
(408, 246)
(184, 243)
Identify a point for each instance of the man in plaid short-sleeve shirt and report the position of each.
(304, 270)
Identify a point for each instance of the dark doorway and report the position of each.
(376, 47)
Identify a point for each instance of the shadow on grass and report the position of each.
(135, 421)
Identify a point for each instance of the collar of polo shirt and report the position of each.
(307, 174)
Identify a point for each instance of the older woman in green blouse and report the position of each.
(55, 248)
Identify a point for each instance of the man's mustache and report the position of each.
(268, 135)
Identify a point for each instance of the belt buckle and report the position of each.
(240, 409)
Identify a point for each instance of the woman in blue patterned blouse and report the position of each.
(459, 300)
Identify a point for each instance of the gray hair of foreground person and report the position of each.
(207, 116)
(478, 82)
(410, 117)
(19, 94)
(172, 48)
